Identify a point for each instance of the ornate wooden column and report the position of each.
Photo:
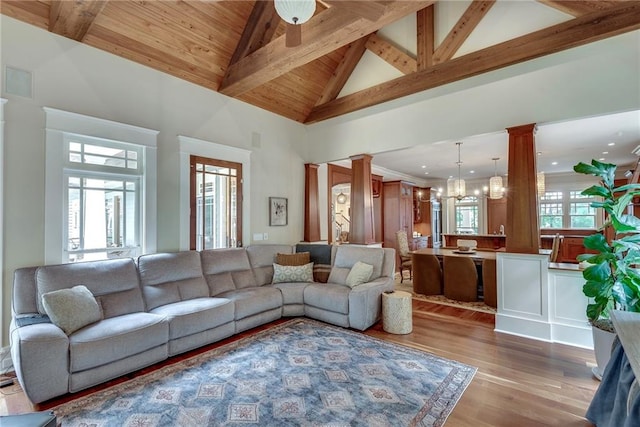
(311, 203)
(523, 229)
(361, 228)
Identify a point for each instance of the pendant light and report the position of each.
(456, 187)
(495, 182)
(294, 13)
(540, 184)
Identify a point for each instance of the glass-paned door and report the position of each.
(216, 204)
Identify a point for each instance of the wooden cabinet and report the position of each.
(422, 210)
(398, 211)
(496, 214)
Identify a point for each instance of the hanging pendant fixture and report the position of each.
(294, 13)
(540, 185)
(495, 182)
(456, 187)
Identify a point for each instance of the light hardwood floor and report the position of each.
(520, 382)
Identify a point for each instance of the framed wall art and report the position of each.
(278, 211)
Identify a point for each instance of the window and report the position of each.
(100, 188)
(216, 208)
(102, 198)
(567, 209)
(466, 213)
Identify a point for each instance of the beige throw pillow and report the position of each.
(71, 309)
(360, 273)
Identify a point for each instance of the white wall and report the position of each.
(73, 77)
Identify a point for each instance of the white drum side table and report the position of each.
(396, 312)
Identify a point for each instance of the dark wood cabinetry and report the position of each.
(398, 210)
(496, 215)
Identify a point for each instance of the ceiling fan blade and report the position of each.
(293, 35)
(370, 10)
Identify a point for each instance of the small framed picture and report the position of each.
(278, 211)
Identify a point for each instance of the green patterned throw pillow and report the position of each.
(360, 273)
(291, 273)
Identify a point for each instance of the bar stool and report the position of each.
(427, 275)
(460, 278)
(489, 282)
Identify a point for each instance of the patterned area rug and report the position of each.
(299, 373)
(407, 286)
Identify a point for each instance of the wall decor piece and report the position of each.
(278, 211)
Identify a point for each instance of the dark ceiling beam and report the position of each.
(462, 30)
(589, 28)
(258, 31)
(391, 54)
(579, 8)
(73, 19)
(426, 37)
(322, 34)
(344, 69)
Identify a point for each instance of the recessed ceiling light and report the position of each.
(426, 173)
(424, 166)
(554, 163)
(601, 159)
(450, 176)
(472, 171)
(605, 152)
(611, 144)
(539, 153)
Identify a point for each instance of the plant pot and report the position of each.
(602, 343)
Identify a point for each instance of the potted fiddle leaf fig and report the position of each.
(612, 276)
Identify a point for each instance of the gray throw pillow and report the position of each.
(71, 309)
(360, 273)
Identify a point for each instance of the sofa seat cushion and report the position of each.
(196, 315)
(115, 338)
(250, 301)
(328, 296)
(292, 292)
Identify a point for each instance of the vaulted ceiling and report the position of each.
(238, 48)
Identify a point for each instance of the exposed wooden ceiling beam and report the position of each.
(343, 70)
(324, 33)
(371, 10)
(391, 54)
(461, 31)
(258, 31)
(579, 8)
(426, 37)
(579, 31)
(73, 19)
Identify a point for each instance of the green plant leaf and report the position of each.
(628, 187)
(597, 273)
(597, 190)
(597, 242)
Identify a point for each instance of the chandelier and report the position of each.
(456, 187)
(495, 182)
(294, 13)
(540, 184)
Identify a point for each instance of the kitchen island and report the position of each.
(485, 241)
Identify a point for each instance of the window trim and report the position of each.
(59, 122)
(566, 201)
(198, 147)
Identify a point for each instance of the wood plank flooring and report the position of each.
(520, 382)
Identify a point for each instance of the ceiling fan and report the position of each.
(297, 12)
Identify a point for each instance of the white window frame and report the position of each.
(59, 124)
(468, 201)
(566, 202)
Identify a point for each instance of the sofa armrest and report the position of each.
(365, 302)
(40, 355)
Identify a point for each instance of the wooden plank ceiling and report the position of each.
(237, 48)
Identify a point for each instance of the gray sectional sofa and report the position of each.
(160, 305)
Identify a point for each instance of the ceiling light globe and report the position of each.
(295, 11)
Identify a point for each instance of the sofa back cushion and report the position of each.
(262, 258)
(226, 270)
(113, 282)
(25, 291)
(347, 256)
(171, 277)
